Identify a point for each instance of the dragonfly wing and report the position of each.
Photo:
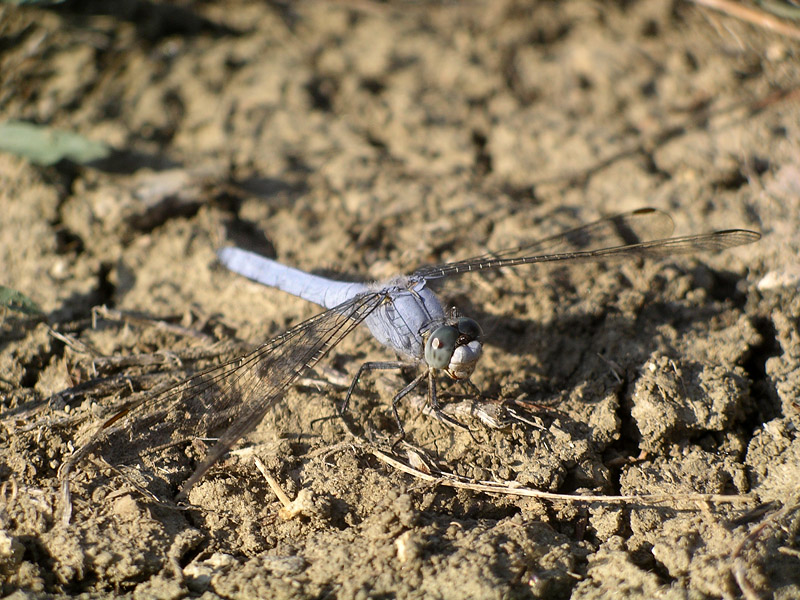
(638, 233)
(231, 398)
(632, 227)
(627, 228)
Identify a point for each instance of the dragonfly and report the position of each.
(403, 314)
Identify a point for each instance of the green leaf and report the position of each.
(46, 146)
(42, 2)
(14, 300)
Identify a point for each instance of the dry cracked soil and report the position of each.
(362, 139)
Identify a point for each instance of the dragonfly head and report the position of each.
(455, 348)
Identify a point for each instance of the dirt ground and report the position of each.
(364, 139)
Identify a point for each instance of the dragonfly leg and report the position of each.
(399, 396)
(433, 401)
(473, 391)
(372, 366)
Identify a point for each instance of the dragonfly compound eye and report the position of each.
(440, 346)
(469, 328)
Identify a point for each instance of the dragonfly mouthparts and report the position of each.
(464, 359)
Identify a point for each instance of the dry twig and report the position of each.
(752, 15)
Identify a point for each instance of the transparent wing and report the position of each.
(633, 227)
(230, 399)
(643, 232)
